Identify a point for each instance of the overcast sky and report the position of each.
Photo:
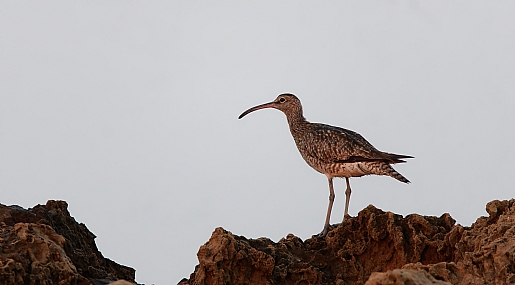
(128, 111)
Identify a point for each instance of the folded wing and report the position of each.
(334, 144)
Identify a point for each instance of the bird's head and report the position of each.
(289, 104)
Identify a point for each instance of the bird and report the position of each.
(333, 151)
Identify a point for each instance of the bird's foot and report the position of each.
(326, 229)
(322, 234)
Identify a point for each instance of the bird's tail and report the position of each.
(393, 173)
(382, 168)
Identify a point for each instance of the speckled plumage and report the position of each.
(333, 151)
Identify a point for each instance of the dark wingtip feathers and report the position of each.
(396, 158)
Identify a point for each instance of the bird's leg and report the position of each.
(329, 208)
(347, 198)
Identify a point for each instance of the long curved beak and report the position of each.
(258, 107)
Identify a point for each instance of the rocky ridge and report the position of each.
(45, 245)
(376, 247)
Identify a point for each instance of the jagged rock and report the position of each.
(45, 245)
(403, 277)
(374, 241)
(484, 253)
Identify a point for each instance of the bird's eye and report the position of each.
(282, 100)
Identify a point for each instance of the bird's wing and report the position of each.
(334, 144)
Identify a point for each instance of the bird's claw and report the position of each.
(324, 232)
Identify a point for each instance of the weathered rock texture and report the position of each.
(430, 250)
(45, 245)
(403, 276)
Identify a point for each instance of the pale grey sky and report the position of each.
(128, 111)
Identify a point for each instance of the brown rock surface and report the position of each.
(45, 245)
(483, 253)
(403, 277)
(374, 241)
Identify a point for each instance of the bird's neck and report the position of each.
(297, 122)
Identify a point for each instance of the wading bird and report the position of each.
(333, 151)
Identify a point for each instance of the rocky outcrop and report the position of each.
(483, 253)
(402, 250)
(403, 276)
(45, 245)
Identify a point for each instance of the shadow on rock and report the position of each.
(45, 245)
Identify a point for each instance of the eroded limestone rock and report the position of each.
(45, 245)
(429, 249)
